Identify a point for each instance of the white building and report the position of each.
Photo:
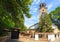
(35, 26)
(51, 36)
(55, 28)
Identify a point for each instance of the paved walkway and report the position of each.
(28, 40)
(12, 40)
(57, 40)
(25, 39)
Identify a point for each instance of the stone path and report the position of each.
(12, 40)
(57, 40)
(25, 39)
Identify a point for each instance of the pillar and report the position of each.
(36, 37)
(57, 36)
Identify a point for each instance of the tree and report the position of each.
(12, 13)
(16, 9)
(55, 16)
(5, 21)
(45, 24)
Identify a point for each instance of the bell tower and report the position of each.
(43, 12)
(43, 9)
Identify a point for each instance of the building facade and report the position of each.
(54, 35)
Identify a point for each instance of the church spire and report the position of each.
(43, 8)
(43, 4)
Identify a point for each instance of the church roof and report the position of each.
(35, 26)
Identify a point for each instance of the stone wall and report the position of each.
(4, 38)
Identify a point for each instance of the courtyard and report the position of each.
(26, 39)
(29, 21)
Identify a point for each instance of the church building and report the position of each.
(42, 11)
(33, 28)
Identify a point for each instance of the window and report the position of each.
(43, 14)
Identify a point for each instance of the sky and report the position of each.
(34, 10)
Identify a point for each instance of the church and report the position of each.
(54, 34)
(43, 10)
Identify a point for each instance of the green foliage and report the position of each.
(45, 24)
(12, 13)
(24, 28)
(3, 33)
(55, 16)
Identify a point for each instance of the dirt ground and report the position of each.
(28, 39)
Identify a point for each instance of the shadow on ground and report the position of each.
(13, 40)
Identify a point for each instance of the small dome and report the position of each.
(42, 4)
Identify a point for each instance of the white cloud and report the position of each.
(54, 3)
(35, 2)
(57, 2)
(31, 21)
(35, 9)
(35, 17)
(38, 1)
(50, 6)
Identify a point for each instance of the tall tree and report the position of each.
(15, 9)
(12, 13)
(55, 16)
(45, 24)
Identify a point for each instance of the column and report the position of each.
(57, 36)
(36, 37)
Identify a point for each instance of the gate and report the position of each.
(15, 34)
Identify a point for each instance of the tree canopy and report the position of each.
(55, 16)
(45, 24)
(12, 13)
